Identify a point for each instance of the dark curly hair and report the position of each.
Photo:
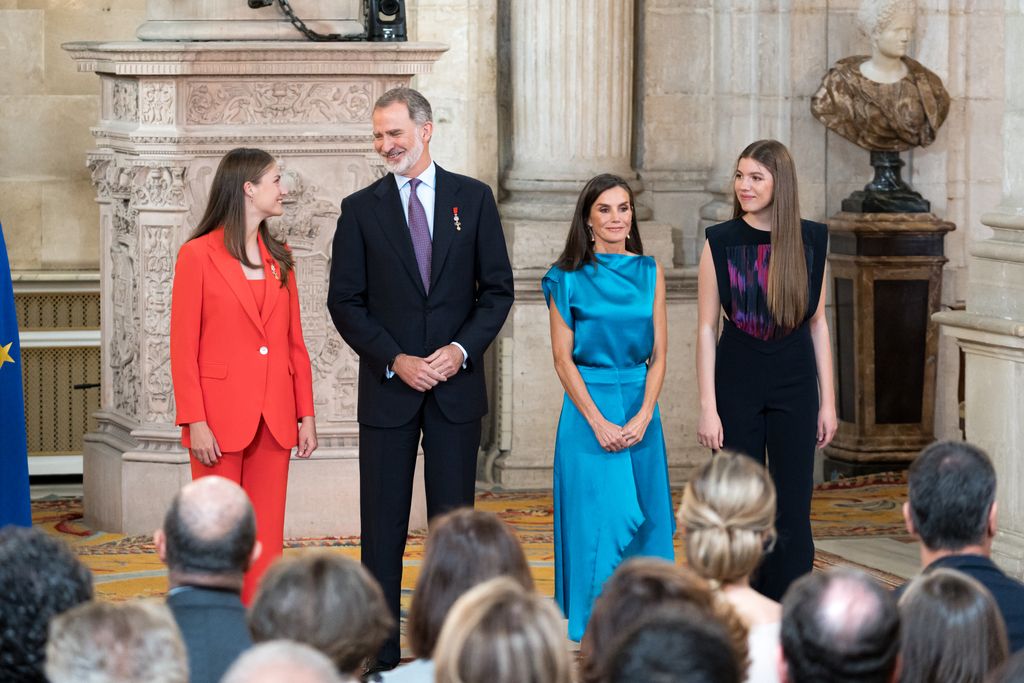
(39, 578)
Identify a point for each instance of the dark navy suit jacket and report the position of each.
(1008, 593)
(212, 623)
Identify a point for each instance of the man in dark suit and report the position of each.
(207, 542)
(952, 512)
(420, 286)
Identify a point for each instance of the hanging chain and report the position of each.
(310, 34)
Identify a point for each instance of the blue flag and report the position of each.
(14, 497)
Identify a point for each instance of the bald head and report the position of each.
(282, 661)
(209, 529)
(839, 626)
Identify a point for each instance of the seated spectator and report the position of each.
(841, 627)
(105, 642)
(673, 645)
(326, 601)
(638, 586)
(464, 548)
(283, 661)
(952, 512)
(500, 632)
(952, 630)
(728, 512)
(207, 541)
(39, 578)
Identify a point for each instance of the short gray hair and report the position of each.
(419, 107)
(281, 661)
(875, 14)
(103, 642)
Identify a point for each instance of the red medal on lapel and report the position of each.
(455, 217)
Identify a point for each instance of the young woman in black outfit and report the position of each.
(766, 386)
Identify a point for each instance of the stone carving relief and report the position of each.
(305, 214)
(125, 100)
(124, 342)
(157, 103)
(161, 187)
(109, 178)
(259, 103)
(158, 273)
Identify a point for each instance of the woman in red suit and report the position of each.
(242, 380)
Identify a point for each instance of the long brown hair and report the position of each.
(579, 250)
(464, 548)
(787, 270)
(226, 207)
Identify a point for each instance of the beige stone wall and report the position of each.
(462, 85)
(47, 202)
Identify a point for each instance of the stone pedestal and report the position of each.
(886, 283)
(169, 112)
(991, 334)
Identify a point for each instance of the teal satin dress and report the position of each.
(608, 506)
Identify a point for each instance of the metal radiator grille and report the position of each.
(58, 311)
(56, 414)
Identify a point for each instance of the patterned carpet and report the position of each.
(125, 567)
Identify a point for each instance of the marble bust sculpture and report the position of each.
(886, 102)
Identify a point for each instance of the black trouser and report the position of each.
(387, 461)
(767, 394)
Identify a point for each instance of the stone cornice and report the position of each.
(251, 58)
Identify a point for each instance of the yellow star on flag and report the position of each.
(5, 354)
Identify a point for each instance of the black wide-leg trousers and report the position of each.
(767, 396)
(387, 461)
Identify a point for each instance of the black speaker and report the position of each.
(386, 20)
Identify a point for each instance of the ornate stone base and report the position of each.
(129, 478)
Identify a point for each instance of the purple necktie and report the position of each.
(419, 230)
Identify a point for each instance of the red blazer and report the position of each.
(232, 363)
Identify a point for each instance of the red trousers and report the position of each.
(261, 469)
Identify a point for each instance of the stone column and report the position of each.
(169, 111)
(572, 84)
(991, 330)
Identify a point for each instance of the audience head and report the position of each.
(673, 645)
(952, 630)
(282, 661)
(952, 493)
(209, 533)
(728, 512)
(465, 547)
(579, 243)
(501, 632)
(637, 587)
(41, 578)
(324, 600)
(104, 642)
(839, 626)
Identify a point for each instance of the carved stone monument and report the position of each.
(887, 250)
(169, 111)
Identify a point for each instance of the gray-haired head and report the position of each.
(418, 106)
(105, 642)
(282, 661)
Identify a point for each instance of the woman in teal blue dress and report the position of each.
(607, 311)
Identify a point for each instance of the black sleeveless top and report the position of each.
(741, 254)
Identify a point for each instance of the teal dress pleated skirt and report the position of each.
(608, 506)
